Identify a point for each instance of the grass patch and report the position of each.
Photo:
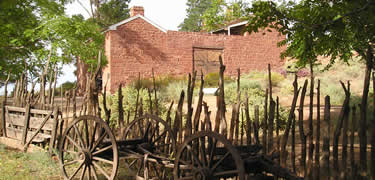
(19, 165)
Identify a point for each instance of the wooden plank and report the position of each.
(18, 120)
(38, 111)
(37, 131)
(32, 111)
(17, 134)
(16, 109)
(26, 124)
(54, 130)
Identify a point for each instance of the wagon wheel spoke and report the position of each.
(212, 147)
(97, 142)
(225, 173)
(102, 150)
(70, 163)
(194, 156)
(160, 136)
(73, 142)
(76, 171)
(94, 172)
(93, 135)
(87, 132)
(101, 170)
(89, 176)
(102, 160)
(220, 161)
(145, 134)
(83, 173)
(76, 131)
(202, 151)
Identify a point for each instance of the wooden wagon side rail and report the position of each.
(31, 125)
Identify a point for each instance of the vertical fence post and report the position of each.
(26, 124)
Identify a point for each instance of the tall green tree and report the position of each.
(194, 19)
(16, 47)
(329, 28)
(105, 12)
(221, 13)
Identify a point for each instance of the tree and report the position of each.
(194, 19)
(221, 13)
(324, 28)
(106, 12)
(16, 48)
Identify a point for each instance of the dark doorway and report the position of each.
(206, 59)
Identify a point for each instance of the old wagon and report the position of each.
(88, 149)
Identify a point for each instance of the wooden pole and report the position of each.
(289, 122)
(265, 124)
(256, 124)
(26, 124)
(248, 121)
(301, 129)
(326, 137)
(317, 141)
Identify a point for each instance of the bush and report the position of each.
(212, 79)
(160, 82)
(66, 86)
(129, 104)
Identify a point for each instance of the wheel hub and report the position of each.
(86, 156)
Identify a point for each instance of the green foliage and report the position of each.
(221, 13)
(160, 82)
(212, 79)
(194, 21)
(173, 90)
(317, 28)
(66, 86)
(129, 103)
(251, 88)
(113, 11)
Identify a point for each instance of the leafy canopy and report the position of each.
(222, 13)
(194, 19)
(318, 28)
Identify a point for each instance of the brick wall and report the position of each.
(137, 47)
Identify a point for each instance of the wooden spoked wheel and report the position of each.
(155, 138)
(208, 155)
(88, 150)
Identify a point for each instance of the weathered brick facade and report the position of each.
(138, 45)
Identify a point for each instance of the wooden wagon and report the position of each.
(88, 149)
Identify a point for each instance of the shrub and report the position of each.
(66, 86)
(212, 79)
(129, 104)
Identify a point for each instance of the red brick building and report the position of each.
(138, 45)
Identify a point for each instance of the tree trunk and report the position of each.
(293, 154)
(363, 111)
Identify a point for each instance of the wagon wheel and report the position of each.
(208, 155)
(157, 140)
(88, 150)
